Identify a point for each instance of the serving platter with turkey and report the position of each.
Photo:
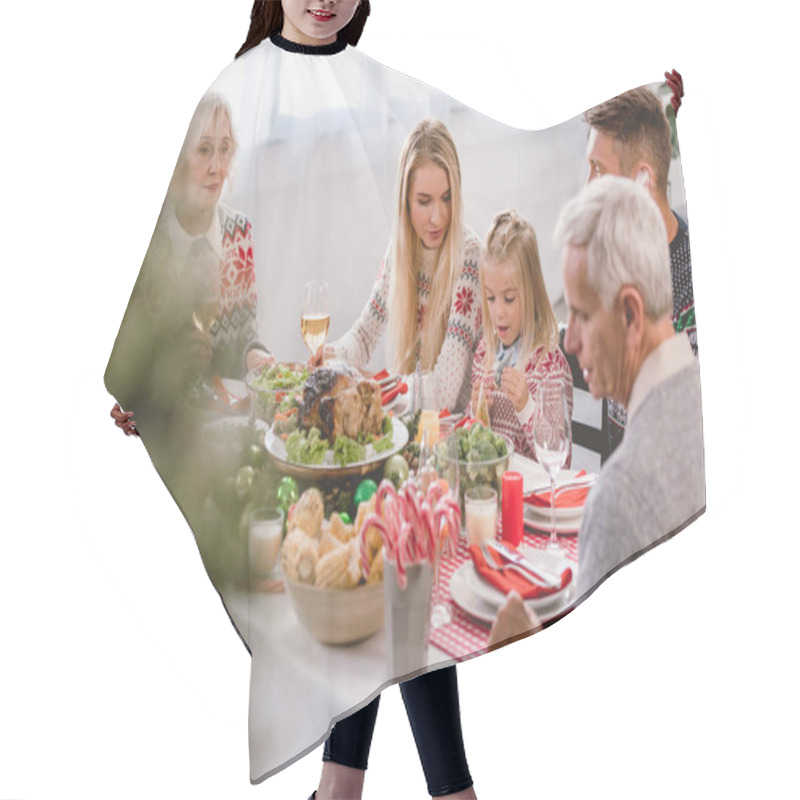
(341, 427)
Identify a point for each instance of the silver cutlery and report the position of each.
(493, 565)
(551, 580)
(578, 483)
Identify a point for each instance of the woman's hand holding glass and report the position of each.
(324, 353)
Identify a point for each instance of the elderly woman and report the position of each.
(194, 305)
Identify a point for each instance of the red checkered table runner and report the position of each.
(464, 637)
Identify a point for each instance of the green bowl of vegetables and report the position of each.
(474, 456)
(276, 388)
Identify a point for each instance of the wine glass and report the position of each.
(204, 265)
(551, 438)
(316, 316)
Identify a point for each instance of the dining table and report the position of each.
(299, 687)
(295, 677)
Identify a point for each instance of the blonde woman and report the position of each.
(427, 295)
(519, 351)
(427, 288)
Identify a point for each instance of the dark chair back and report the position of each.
(590, 443)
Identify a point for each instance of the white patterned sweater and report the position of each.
(454, 364)
(540, 368)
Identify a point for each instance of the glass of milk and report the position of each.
(265, 532)
(480, 511)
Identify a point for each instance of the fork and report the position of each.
(493, 565)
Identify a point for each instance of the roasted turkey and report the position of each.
(338, 399)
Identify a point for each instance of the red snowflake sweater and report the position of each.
(540, 368)
(453, 367)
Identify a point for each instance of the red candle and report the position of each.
(512, 508)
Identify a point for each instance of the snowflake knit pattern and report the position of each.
(541, 368)
(235, 324)
(464, 331)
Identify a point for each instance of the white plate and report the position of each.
(276, 447)
(495, 597)
(541, 522)
(565, 516)
(482, 601)
(534, 477)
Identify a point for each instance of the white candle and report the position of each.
(266, 529)
(480, 507)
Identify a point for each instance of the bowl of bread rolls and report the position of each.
(336, 600)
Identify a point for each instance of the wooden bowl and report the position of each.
(338, 616)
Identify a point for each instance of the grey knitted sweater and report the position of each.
(652, 486)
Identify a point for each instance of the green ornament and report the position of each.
(365, 490)
(288, 493)
(345, 517)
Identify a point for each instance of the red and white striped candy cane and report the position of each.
(405, 553)
(429, 527)
(414, 516)
(385, 490)
(448, 516)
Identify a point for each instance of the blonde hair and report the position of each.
(211, 108)
(511, 241)
(428, 143)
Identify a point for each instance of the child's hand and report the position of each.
(513, 384)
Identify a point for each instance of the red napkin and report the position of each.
(569, 498)
(224, 399)
(510, 579)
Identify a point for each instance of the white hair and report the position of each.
(625, 238)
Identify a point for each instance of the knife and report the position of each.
(587, 481)
(544, 575)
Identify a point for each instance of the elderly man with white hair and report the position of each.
(616, 270)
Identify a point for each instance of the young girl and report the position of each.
(426, 292)
(519, 351)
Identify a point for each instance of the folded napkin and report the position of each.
(510, 579)
(569, 498)
(225, 400)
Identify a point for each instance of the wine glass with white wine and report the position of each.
(204, 267)
(316, 318)
(552, 435)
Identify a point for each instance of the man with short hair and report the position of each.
(618, 287)
(630, 136)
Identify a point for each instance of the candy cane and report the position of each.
(389, 543)
(415, 517)
(386, 489)
(435, 492)
(429, 519)
(374, 521)
(448, 517)
(405, 553)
